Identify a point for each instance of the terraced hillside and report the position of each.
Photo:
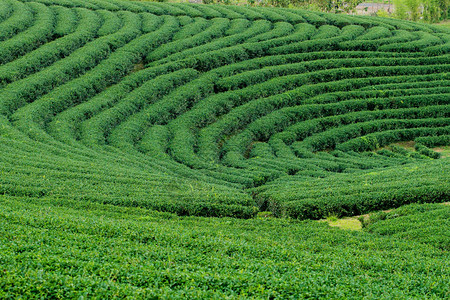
(220, 111)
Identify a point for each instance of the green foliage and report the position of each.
(54, 248)
(123, 124)
(373, 218)
(221, 111)
(429, 10)
(335, 6)
(382, 13)
(427, 224)
(426, 151)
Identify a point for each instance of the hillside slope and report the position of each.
(220, 111)
(126, 127)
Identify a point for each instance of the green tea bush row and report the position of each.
(340, 20)
(361, 111)
(406, 222)
(281, 120)
(426, 151)
(247, 13)
(66, 125)
(66, 21)
(398, 38)
(375, 33)
(256, 28)
(96, 51)
(394, 196)
(279, 30)
(39, 33)
(433, 141)
(151, 22)
(38, 84)
(112, 22)
(214, 110)
(378, 139)
(326, 32)
(253, 63)
(311, 17)
(333, 137)
(6, 9)
(150, 92)
(52, 51)
(195, 26)
(348, 33)
(318, 198)
(396, 90)
(107, 72)
(20, 19)
(207, 11)
(215, 30)
(425, 40)
(226, 12)
(248, 78)
(278, 15)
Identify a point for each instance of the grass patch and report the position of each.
(408, 145)
(345, 223)
(138, 67)
(443, 150)
(445, 23)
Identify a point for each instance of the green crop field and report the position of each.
(159, 150)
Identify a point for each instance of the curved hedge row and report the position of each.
(221, 111)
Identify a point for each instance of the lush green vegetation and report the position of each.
(123, 124)
(427, 10)
(221, 111)
(67, 249)
(425, 223)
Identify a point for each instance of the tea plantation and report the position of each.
(127, 128)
